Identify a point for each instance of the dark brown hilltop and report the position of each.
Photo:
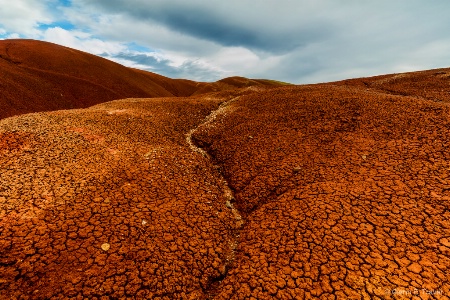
(40, 76)
(327, 191)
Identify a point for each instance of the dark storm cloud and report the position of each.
(299, 41)
(206, 25)
(255, 26)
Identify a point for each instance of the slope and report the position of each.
(430, 84)
(40, 76)
(344, 190)
(111, 201)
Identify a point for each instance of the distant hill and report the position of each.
(430, 84)
(40, 76)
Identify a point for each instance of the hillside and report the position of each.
(39, 76)
(329, 191)
(431, 84)
(344, 192)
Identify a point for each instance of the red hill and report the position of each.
(330, 191)
(40, 76)
(430, 84)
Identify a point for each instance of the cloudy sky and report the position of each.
(298, 41)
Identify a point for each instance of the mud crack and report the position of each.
(228, 193)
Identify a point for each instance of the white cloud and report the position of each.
(299, 41)
(22, 16)
(82, 41)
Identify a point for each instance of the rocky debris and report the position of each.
(105, 246)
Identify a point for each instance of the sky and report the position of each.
(296, 41)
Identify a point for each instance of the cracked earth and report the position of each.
(330, 191)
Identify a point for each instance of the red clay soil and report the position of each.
(39, 76)
(111, 201)
(344, 192)
(431, 84)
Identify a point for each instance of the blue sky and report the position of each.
(299, 41)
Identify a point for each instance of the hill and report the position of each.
(40, 76)
(429, 84)
(330, 191)
(344, 192)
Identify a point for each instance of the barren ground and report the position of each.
(328, 191)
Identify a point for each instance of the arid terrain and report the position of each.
(237, 189)
(39, 76)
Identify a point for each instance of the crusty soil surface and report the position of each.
(111, 201)
(338, 191)
(345, 193)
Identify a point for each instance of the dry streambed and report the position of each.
(112, 201)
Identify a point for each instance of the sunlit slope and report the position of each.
(345, 192)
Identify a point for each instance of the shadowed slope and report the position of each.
(40, 76)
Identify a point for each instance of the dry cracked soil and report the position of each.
(327, 191)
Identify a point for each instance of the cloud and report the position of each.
(296, 41)
(194, 69)
(269, 26)
(299, 41)
(21, 17)
(82, 41)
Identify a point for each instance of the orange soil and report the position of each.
(431, 84)
(341, 191)
(121, 174)
(345, 193)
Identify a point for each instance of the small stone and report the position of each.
(106, 246)
(228, 204)
(144, 222)
(297, 169)
(364, 156)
